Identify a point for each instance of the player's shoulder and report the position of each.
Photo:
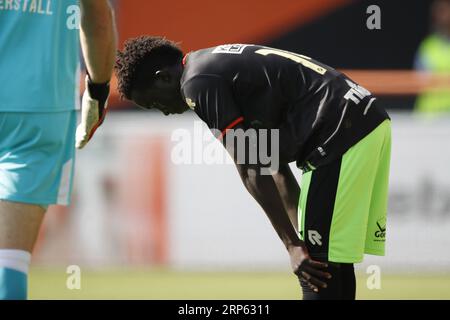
(205, 75)
(197, 88)
(222, 61)
(218, 59)
(225, 50)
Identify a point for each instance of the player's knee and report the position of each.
(19, 224)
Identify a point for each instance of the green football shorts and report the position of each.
(342, 207)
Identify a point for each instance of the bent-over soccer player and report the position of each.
(334, 129)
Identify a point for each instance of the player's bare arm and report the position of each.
(98, 39)
(289, 190)
(274, 193)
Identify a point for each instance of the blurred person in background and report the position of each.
(335, 130)
(39, 95)
(433, 56)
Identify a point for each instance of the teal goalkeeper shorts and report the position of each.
(37, 157)
(342, 207)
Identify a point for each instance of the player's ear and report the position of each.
(162, 75)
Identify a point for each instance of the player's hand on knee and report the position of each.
(93, 111)
(310, 271)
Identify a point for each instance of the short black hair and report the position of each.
(141, 58)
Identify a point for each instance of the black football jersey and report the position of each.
(319, 112)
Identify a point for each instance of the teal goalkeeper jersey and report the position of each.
(39, 55)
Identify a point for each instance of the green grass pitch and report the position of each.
(168, 285)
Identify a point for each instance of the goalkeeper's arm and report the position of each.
(98, 42)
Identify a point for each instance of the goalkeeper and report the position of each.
(333, 128)
(39, 63)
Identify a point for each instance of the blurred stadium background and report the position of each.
(142, 226)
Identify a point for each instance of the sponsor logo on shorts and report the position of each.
(380, 233)
(314, 237)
